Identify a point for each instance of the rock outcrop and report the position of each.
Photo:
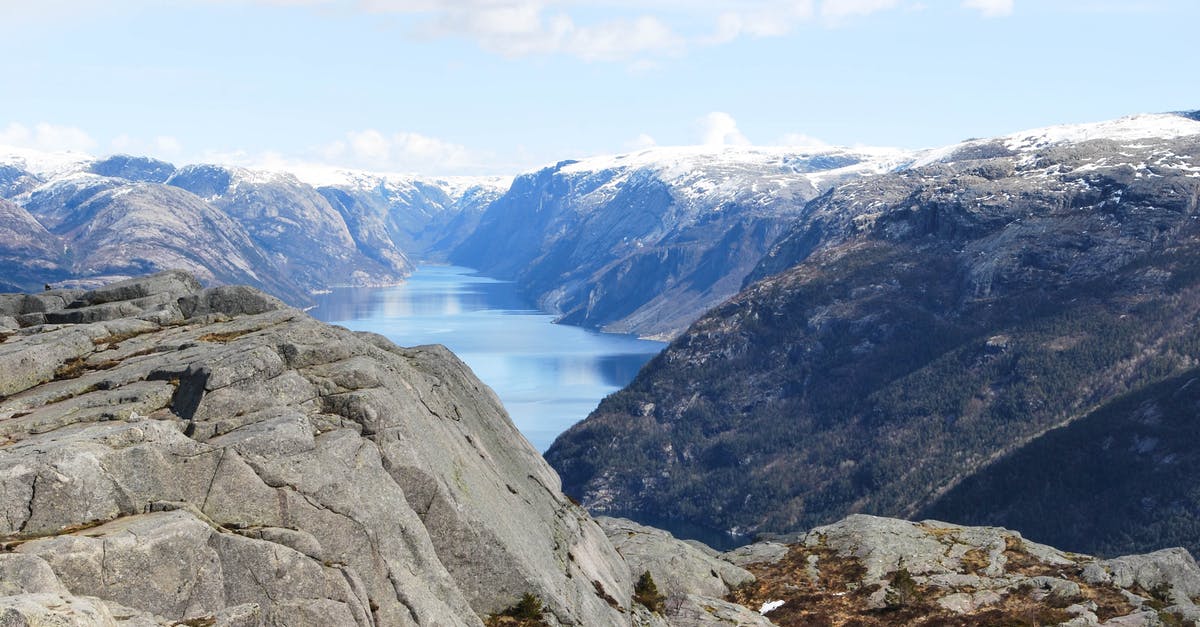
(174, 453)
(873, 572)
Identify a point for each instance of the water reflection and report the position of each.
(549, 376)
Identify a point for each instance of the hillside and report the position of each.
(913, 327)
(229, 225)
(644, 243)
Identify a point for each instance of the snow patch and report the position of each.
(45, 164)
(769, 607)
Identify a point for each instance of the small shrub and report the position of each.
(529, 607)
(526, 613)
(645, 591)
(902, 592)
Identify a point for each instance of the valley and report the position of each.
(548, 376)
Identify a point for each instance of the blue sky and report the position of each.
(499, 86)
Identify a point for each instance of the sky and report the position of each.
(502, 86)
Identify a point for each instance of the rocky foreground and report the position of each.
(172, 455)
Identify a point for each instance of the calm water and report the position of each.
(549, 376)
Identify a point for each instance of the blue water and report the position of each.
(548, 376)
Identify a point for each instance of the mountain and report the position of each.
(172, 455)
(28, 252)
(644, 243)
(227, 224)
(296, 226)
(913, 328)
(425, 217)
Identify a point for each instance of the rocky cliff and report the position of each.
(645, 243)
(171, 453)
(194, 453)
(916, 326)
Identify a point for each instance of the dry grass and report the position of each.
(71, 370)
(222, 338)
(836, 598)
(975, 561)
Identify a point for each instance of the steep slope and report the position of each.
(644, 243)
(15, 180)
(425, 217)
(1134, 459)
(29, 254)
(296, 226)
(206, 455)
(912, 327)
(140, 228)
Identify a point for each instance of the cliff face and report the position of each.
(913, 327)
(171, 452)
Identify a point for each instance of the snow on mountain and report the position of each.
(714, 175)
(1129, 129)
(392, 182)
(45, 164)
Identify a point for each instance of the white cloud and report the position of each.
(800, 140)
(162, 146)
(47, 137)
(772, 19)
(519, 28)
(168, 146)
(631, 30)
(990, 8)
(720, 129)
(839, 10)
(371, 149)
(641, 142)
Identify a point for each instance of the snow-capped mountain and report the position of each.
(646, 242)
(287, 233)
(1002, 332)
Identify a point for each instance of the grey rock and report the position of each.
(757, 553)
(1095, 573)
(1139, 619)
(254, 466)
(27, 361)
(1171, 570)
(27, 574)
(172, 282)
(677, 567)
(699, 611)
(963, 602)
(54, 610)
(231, 300)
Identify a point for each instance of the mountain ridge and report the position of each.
(907, 329)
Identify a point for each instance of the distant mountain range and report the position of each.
(1001, 332)
(75, 220)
